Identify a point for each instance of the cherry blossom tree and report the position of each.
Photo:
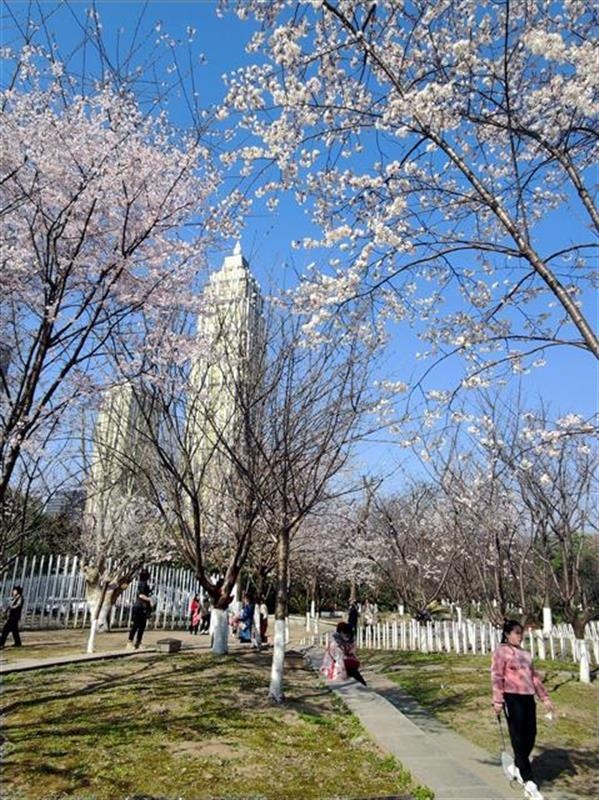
(192, 481)
(412, 544)
(434, 145)
(97, 192)
(327, 551)
(122, 535)
(316, 409)
(553, 467)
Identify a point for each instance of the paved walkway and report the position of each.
(24, 664)
(437, 757)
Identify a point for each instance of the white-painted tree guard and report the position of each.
(278, 660)
(219, 631)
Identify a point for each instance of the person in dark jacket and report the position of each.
(142, 608)
(352, 618)
(15, 606)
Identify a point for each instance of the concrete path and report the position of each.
(25, 664)
(437, 757)
(70, 650)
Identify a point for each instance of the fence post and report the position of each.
(541, 645)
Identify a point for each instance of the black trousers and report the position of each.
(521, 713)
(138, 625)
(11, 626)
(205, 626)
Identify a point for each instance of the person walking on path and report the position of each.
(340, 660)
(15, 606)
(515, 683)
(205, 615)
(142, 608)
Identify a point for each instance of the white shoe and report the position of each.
(514, 774)
(130, 646)
(531, 791)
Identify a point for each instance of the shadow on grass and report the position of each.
(178, 693)
(554, 762)
(414, 708)
(109, 681)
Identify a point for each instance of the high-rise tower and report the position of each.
(121, 449)
(231, 334)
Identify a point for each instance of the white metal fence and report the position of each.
(469, 636)
(54, 593)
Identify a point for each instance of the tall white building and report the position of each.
(120, 449)
(231, 334)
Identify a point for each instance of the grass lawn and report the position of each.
(456, 689)
(188, 726)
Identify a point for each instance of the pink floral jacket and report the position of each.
(333, 663)
(512, 672)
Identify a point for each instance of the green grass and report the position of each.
(456, 689)
(190, 726)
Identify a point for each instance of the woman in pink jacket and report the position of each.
(515, 684)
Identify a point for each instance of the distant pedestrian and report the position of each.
(15, 606)
(340, 659)
(369, 614)
(245, 620)
(263, 608)
(194, 614)
(205, 611)
(515, 683)
(142, 608)
(352, 617)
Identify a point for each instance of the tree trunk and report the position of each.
(219, 631)
(256, 623)
(95, 594)
(578, 625)
(352, 591)
(585, 666)
(278, 654)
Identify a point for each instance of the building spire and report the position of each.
(237, 249)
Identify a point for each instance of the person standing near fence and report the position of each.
(245, 620)
(194, 614)
(352, 617)
(142, 608)
(15, 606)
(515, 683)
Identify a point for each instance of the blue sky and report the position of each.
(569, 380)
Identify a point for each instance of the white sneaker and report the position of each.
(531, 791)
(130, 646)
(514, 774)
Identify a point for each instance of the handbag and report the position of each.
(351, 662)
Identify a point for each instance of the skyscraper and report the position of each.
(231, 334)
(120, 449)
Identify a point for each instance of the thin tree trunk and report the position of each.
(352, 591)
(96, 597)
(278, 655)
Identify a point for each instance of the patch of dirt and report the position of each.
(213, 749)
